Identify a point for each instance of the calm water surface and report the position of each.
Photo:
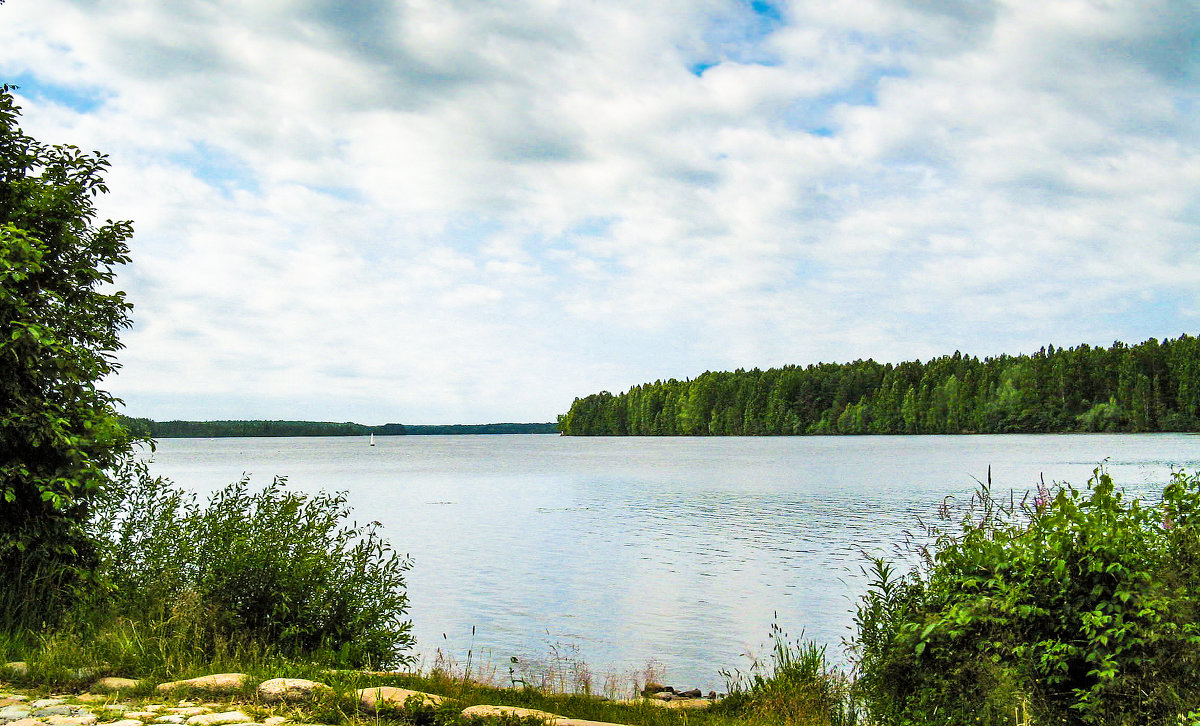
(683, 551)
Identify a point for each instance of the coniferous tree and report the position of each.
(1153, 386)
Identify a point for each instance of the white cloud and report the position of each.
(436, 211)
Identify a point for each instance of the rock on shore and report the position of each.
(216, 683)
(370, 698)
(289, 689)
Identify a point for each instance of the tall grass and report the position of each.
(33, 589)
(795, 686)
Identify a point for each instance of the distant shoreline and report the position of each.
(266, 429)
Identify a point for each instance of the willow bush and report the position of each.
(281, 569)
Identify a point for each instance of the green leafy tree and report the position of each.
(59, 325)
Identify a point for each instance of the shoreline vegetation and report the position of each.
(1149, 387)
(312, 695)
(151, 429)
(1064, 606)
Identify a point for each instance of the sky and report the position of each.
(436, 211)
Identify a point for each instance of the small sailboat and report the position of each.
(372, 439)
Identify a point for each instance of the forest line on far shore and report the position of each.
(149, 428)
(1148, 387)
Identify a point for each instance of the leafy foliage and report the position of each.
(1153, 386)
(59, 328)
(279, 568)
(1078, 606)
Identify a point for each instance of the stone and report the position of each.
(371, 697)
(685, 703)
(215, 719)
(16, 668)
(477, 712)
(216, 683)
(510, 711)
(274, 720)
(169, 719)
(113, 683)
(694, 693)
(123, 722)
(26, 722)
(60, 710)
(86, 719)
(44, 702)
(12, 713)
(141, 714)
(289, 689)
(189, 710)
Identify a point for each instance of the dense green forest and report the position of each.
(223, 429)
(1152, 386)
(492, 428)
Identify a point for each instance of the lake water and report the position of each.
(681, 552)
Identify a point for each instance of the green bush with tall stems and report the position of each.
(271, 571)
(1077, 607)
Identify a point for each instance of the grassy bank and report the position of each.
(798, 688)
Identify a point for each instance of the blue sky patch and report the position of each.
(738, 37)
(83, 100)
(813, 114)
(592, 227)
(217, 168)
(1161, 312)
(767, 11)
(345, 194)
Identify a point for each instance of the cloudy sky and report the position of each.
(436, 211)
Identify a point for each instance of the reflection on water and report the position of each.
(680, 550)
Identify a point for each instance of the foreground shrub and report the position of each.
(1075, 607)
(273, 568)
